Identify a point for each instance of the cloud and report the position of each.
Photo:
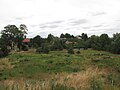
(86, 27)
(75, 27)
(34, 26)
(96, 26)
(55, 22)
(49, 26)
(43, 26)
(98, 13)
(78, 22)
(19, 18)
(23, 18)
(118, 20)
(53, 26)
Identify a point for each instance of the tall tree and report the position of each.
(104, 41)
(37, 41)
(84, 36)
(12, 35)
(115, 45)
(50, 38)
(62, 36)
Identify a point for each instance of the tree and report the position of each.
(94, 42)
(23, 28)
(62, 36)
(115, 45)
(37, 41)
(50, 38)
(58, 45)
(3, 48)
(104, 41)
(116, 36)
(67, 35)
(80, 44)
(84, 36)
(12, 35)
(43, 49)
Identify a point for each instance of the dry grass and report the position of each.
(5, 64)
(79, 81)
(51, 81)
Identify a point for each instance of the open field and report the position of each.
(89, 70)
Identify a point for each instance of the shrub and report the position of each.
(4, 52)
(1, 54)
(70, 51)
(39, 50)
(78, 52)
(43, 49)
(24, 47)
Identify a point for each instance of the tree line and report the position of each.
(13, 36)
(67, 41)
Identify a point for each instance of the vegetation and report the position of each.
(70, 51)
(96, 70)
(102, 42)
(58, 63)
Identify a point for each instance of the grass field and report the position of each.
(89, 70)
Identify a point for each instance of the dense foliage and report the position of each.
(67, 41)
(13, 35)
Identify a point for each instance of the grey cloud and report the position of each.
(43, 26)
(118, 20)
(73, 28)
(78, 22)
(22, 18)
(98, 13)
(109, 31)
(104, 25)
(34, 25)
(53, 26)
(49, 26)
(56, 22)
(43, 34)
(97, 26)
(19, 18)
(86, 27)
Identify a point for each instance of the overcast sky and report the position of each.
(62, 16)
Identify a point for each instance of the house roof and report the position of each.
(26, 40)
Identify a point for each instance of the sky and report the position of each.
(43, 17)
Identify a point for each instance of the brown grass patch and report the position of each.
(76, 80)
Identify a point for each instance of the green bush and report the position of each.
(4, 52)
(43, 49)
(78, 52)
(70, 51)
(39, 50)
(1, 53)
(24, 47)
